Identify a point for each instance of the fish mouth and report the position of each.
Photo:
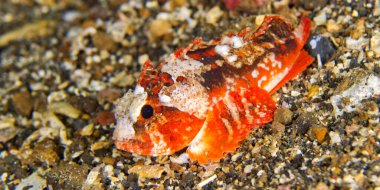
(137, 146)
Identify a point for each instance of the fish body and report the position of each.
(208, 96)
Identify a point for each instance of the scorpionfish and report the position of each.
(208, 96)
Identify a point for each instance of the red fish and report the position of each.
(208, 96)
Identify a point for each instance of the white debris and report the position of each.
(335, 138)
(222, 50)
(206, 181)
(358, 44)
(363, 89)
(181, 159)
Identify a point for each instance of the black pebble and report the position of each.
(320, 45)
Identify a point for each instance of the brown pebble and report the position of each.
(278, 127)
(283, 116)
(84, 104)
(103, 41)
(318, 133)
(108, 95)
(105, 118)
(108, 160)
(22, 103)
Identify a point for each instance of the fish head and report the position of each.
(147, 126)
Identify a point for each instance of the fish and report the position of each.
(208, 96)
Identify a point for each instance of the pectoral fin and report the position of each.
(229, 122)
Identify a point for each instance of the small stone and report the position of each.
(149, 171)
(108, 160)
(304, 122)
(7, 134)
(29, 31)
(34, 181)
(103, 41)
(159, 28)
(87, 130)
(334, 137)
(375, 42)
(248, 169)
(278, 127)
(108, 95)
(214, 15)
(320, 19)
(376, 10)
(359, 29)
(67, 175)
(105, 118)
(123, 79)
(283, 116)
(358, 44)
(65, 109)
(320, 46)
(93, 180)
(100, 145)
(321, 186)
(85, 104)
(45, 152)
(318, 133)
(22, 103)
(332, 26)
(143, 58)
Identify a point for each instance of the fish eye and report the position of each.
(147, 111)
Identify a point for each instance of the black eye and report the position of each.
(147, 111)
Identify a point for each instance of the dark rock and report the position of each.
(84, 104)
(319, 45)
(304, 122)
(12, 165)
(67, 176)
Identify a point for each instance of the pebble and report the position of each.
(29, 31)
(278, 127)
(65, 109)
(87, 130)
(34, 181)
(283, 116)
(158, 29)
(214, 15)
(149, 171)
(318, 133)
(84, 104)
(108, 95)
(105, 118)
(304, 122)
(320, 46)
(22, 103)
(359, 29)
(320, 19)
(67, 175)
(45, 152)
(103, 41)
(376, 10)
(333, 26)
(334, 137)
(375, 42)
(248, 169)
